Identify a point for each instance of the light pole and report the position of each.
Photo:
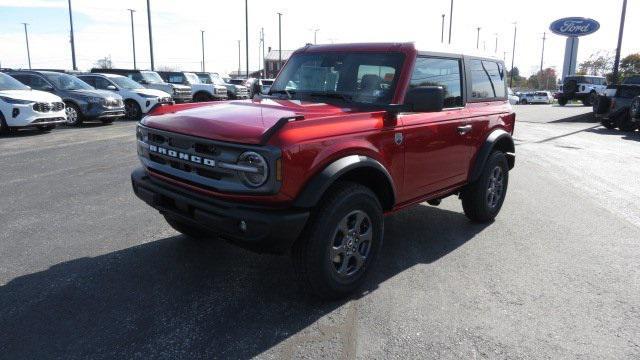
(246, 24)
(478, 38)
(450, 21)
(261, 54)
(239, 59)
(513, 52)
(544, 39)
(133, 39)
(496, 50)
(150, 35)
(315, 33)
(616, 62)
(442, 31)
(26, 37)
(279, 41)
(202, 39)
(73, 43)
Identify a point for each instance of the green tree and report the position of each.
(630, 65)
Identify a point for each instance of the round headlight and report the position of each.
(257, 170)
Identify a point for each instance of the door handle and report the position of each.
(463, 130)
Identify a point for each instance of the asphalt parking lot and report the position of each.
(89, 271)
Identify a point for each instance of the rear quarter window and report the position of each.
(487, 80)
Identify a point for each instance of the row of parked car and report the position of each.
(42, 99)
(619, 105)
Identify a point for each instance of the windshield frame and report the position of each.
(394, 59)
(116, 80)
(152, 77)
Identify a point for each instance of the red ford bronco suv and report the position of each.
(346, 135)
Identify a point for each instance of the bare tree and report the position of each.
(104, 63)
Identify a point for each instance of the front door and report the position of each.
(438, 146)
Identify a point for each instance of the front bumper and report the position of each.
(98, 111)
(182, 97)
(266, 229)
(23, 115)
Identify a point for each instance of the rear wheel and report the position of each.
(341, 241)
(562, 101)
(201, 97)
(190, 231)
(608, 124)
(74, 117)
(625, 122)
(524, 102)
(601, 105)
(482, 200)
(132, 110)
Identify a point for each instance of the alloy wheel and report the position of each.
(495, 187)
(72, 115)
(131, 110)
(351, 243)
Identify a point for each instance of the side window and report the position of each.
(102, 83)
(91, 80)
(487, 80)
(497, 76)
(35, 82)
(440, 72)
(25, 79)
(135, 76)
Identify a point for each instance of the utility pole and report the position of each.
(544, 39)
(513, 52)
(73, 43)
(315, 33)
(504, 56)
(442, 31)
(450, 21)
(478, 38)
(279, 41)
(239, 59)
(246, 24)
(616, 62)
(496, 50)
(133, 39)
(150, 35)
(26, 37)
(202, 39)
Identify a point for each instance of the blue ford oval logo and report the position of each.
(574, 26)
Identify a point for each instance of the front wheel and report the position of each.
(74, 117)
(634, 110)
(562, 101)
(482, 199)
(340, 243)
(608, 124)
(132, 110)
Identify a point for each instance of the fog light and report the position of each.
(243, 226)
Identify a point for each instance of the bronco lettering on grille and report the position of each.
(182, 156)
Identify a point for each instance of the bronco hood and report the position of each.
(245, 122)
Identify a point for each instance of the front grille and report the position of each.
(47, 107)
(165, 100)
(113, 103)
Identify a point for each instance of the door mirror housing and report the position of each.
(112, 88)
(143, 81)
(425, 99)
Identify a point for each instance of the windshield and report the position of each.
(192, 78)
(361, 77)
(217, 80)
(151, 76)
(175, 78)
(67, 82)
(236, 81)
(126, 83)
(205, 78)
(9, 83)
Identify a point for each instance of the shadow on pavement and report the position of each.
(587, 117)
(176, 298)
(632, 135)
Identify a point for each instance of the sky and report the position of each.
(103, 28)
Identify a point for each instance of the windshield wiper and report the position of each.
(332, 95)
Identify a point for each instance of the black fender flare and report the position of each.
(318, 185)
(495, 137)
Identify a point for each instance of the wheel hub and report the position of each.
(352, 243)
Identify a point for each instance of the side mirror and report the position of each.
(425, 99)
(112, 88)
(143, 82)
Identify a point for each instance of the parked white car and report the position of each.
(536, 97)
(199, 90)
(21, 107)
(513, 99)
(138, 100)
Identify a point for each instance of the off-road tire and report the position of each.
(312, 256)
(475, 197)
(187, 230)
(601, 105)
(608, 124)
(202, 97)
(4, 128)
(562, 101)
(634, 110)
(524, 102)
(625, 123)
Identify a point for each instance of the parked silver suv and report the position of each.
(151, 80)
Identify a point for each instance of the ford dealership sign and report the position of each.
(574, 26)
